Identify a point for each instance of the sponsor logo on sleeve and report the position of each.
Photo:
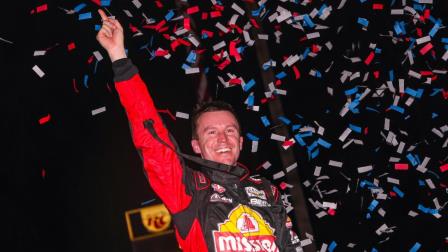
(259, 202)
(217, 188)
(220, 198)
(244, 230)
(254, 192)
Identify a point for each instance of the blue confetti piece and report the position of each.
(280, 75)
(355, 128)
(185, 66)
(312, 146)
(397, 108)
(249, 85)
(391, 75)
(251, 101)
(105, 3)
(314, 154)
(332, 246)
(434, 30)
(397, 28)
(191, 58)
(362, 21)
(86, 79)
(252, 137)
(265, 121)
(368, 216)
(377, 50)
(97, 27)
(299, 140)
(372, 109)
(416, 247)
(84, 16)
(324, 143)
(421, 182)
(374, 250)
(435, 91)
(411, 159)
(306, 52)
(169, 15)
(373, 205)
(296, 127)
(362, 1)
(322, 8)
(299, 116)
(419, 7)
(79, 7)
(445, 40)
(434, 115)
(351, 91)
(398, 192)
(308, 21)
(284, 120)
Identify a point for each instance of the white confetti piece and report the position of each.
(98, 110)
(364, 169)
(335, 163)
(38, 71)
(182, 115)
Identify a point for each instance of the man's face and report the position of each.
(219, 137)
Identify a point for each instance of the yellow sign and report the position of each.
(244, 230)
(148, 222)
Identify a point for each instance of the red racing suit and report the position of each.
(212, 210)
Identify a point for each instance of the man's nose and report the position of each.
(222, 137)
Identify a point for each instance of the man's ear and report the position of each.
(241, 142)
(195, 146)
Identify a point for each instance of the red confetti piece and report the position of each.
(71, 46)
(287, 143)
(377, 6)
(283, 185)
(234, 51)
(215, 14)
(331, 211)
(159, 4)
(369, 58)
(426, 48)
(401, 167)
(235, 81)
(97, 2)
(192, 10)
(187, 24)
(44, 119)
(444, 168)
(376, 74)
(43, 173)
(41, 8)
(296, 72)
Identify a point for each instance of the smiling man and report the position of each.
(215, 204)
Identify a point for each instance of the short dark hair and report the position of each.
(210, 106)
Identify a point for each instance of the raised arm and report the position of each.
(162, 165)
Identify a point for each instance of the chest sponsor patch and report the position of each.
(259, 202)
(254, 192)
(219, 198)
(244, 230)
(217, 188)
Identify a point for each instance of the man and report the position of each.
(217, 206)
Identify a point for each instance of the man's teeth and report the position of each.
(223, 150)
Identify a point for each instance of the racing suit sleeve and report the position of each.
(163, 166)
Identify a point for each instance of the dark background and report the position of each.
(93, 174)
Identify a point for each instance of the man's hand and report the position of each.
(111, 37)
